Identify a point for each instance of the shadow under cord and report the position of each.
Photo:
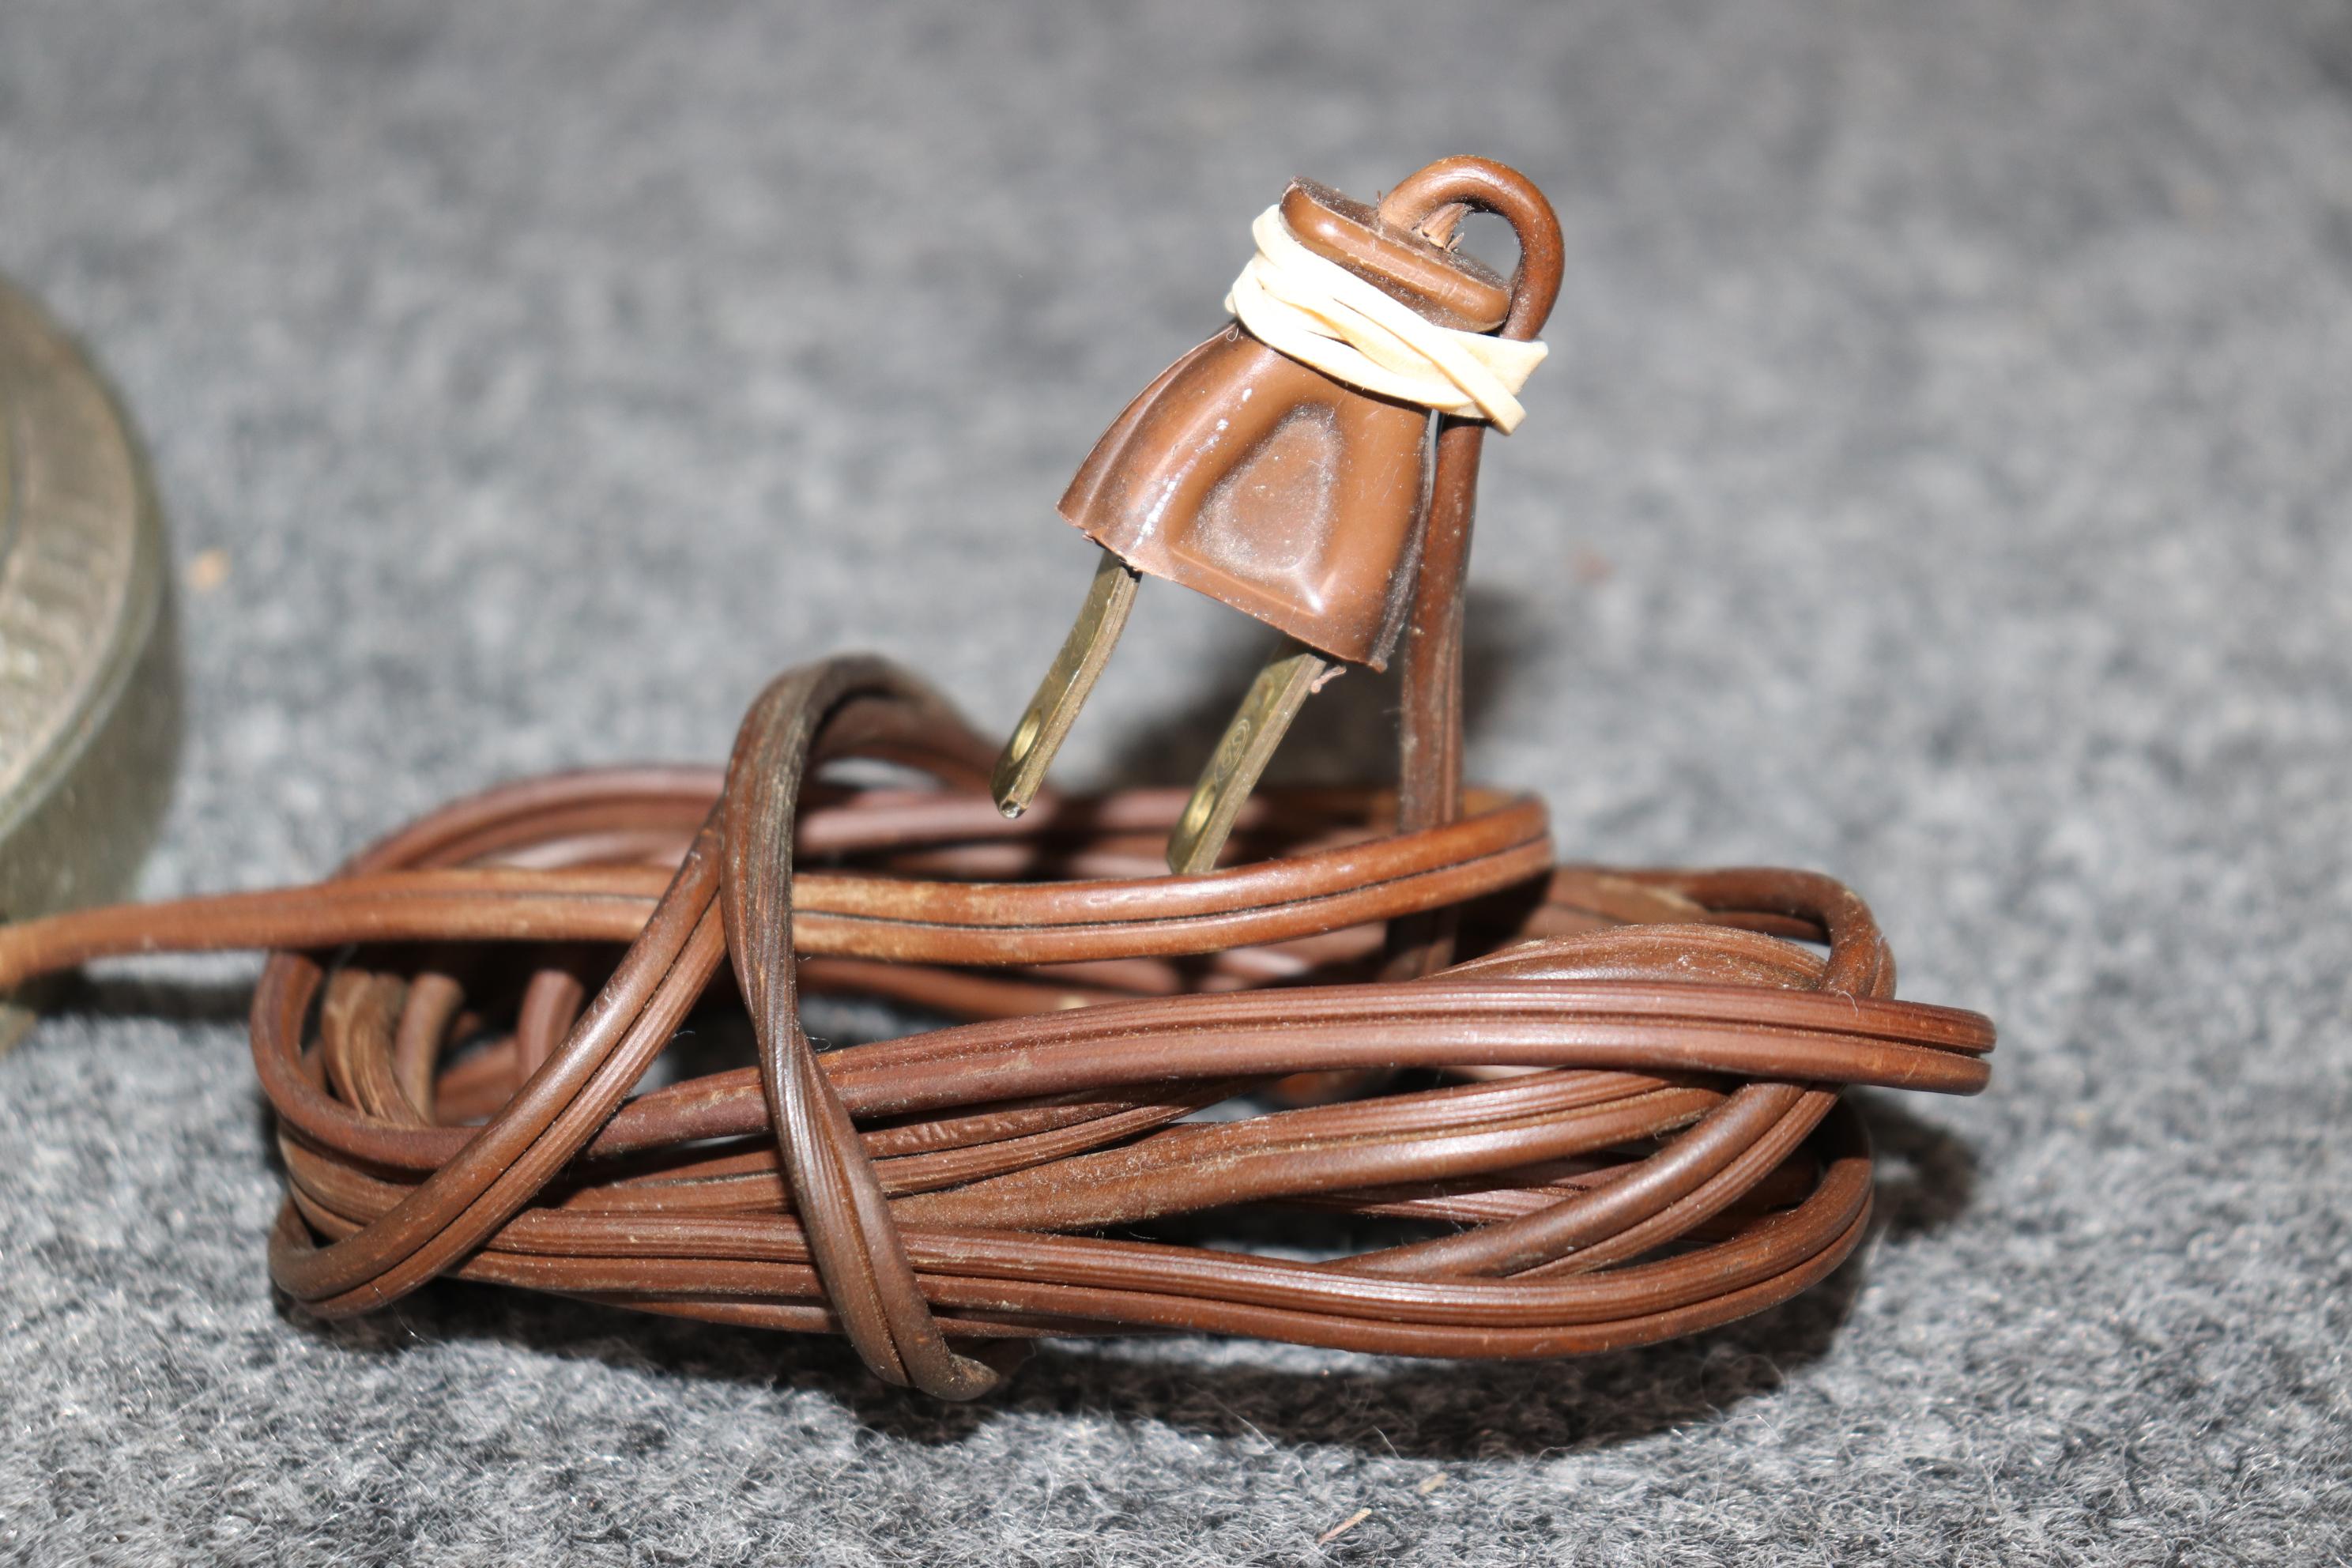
(1226, 1389)
(1236, 1390)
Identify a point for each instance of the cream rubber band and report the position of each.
(1318, 312)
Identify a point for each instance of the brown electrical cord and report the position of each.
(1624, 1121)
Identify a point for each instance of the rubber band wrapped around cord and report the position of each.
(1321, 314)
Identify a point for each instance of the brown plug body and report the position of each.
(1267, 485)
(1334, 515)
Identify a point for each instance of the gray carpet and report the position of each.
(1941, 480)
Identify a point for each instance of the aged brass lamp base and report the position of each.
(87, 688)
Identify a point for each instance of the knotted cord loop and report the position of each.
(868, 1280)
(1317, 311)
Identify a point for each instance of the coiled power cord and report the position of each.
(1619, 1117)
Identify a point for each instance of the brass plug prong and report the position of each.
(1021, 769)
(1257, 728)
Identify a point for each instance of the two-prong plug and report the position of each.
(1284, 467)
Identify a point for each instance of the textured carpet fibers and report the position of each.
(1940, 479)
